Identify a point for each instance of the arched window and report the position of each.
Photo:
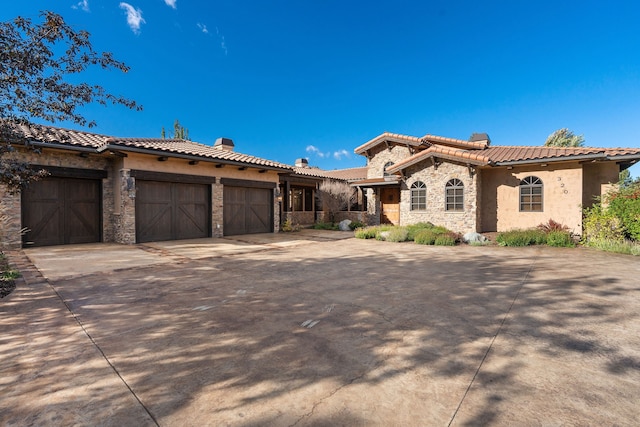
(387, 166)
(418, 196)
(454, 195)
(531, 194)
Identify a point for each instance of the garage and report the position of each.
(247, 209)
(62, 210)
(172, 211)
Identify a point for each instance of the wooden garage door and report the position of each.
(61, 211)
(172, 211)
(247, 210)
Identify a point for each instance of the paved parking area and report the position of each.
(315, 328)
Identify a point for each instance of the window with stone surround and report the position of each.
(531, 194)
(418, 196)
(454, 195)
(386, 166)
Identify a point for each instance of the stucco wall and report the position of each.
(435, 179)
(562, 197)
(598, 179)
(182, 166)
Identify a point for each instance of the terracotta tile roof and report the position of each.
(54, 135)
(531, 154)
(67, 138)
(345, 174)
(190, 148)
(390, 137)
(458, 143)
(475, 157)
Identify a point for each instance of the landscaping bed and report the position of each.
(7, 277)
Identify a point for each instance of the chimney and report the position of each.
(224, 144)
(480, 137)
(302, 163)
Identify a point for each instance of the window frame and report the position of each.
(530, 184)
(418, 196)
(456, 186)
(385, 167)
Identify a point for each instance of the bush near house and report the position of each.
(423, 233)
(522, 238)
(614, 226)
(7, 277)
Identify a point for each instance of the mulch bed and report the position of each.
(6, 285)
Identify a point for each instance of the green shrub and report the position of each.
(522, 238)
(356, 224)
(365, 233)
(397, 234)
(446, 239)
(561, 239)
(621, 247)
(599, 224)
(324, 226)
(625, 205)
(372, 232)
(289, 226)
(425, 237)
(413, 229)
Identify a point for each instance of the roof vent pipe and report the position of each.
(224, 144)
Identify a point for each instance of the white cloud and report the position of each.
(338, 155)
(203, 28)
(171, 3)
(134, 17)
(223, 45)
(84, 5)
(314, 150)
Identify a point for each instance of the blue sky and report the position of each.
(311, 78)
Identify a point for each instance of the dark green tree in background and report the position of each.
(564, 138)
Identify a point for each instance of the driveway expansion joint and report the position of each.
(36, 274)
(495, 336)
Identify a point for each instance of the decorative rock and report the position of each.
(344, 225)
(384, 235)
(474, 237)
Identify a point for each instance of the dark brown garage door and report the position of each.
(172, 211)
(247, 210)
(61, 211)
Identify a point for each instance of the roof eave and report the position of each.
(596, 156)
(155, 152)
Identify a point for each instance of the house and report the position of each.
(473, 186)
(132, 190)
(299, 189)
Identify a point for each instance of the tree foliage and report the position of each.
(335, 196)
(38, 63)
(179, 132)
(564, 138)
(617, 218)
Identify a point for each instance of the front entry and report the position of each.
(390, 206)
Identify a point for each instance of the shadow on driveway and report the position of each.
(344, 332)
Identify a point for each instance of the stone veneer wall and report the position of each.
(435, 179)
(10, 221)
(10, 237)
(276, 210)
(217, 212)
(124, 219)
(380, 156)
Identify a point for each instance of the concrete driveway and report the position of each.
(317, 328)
